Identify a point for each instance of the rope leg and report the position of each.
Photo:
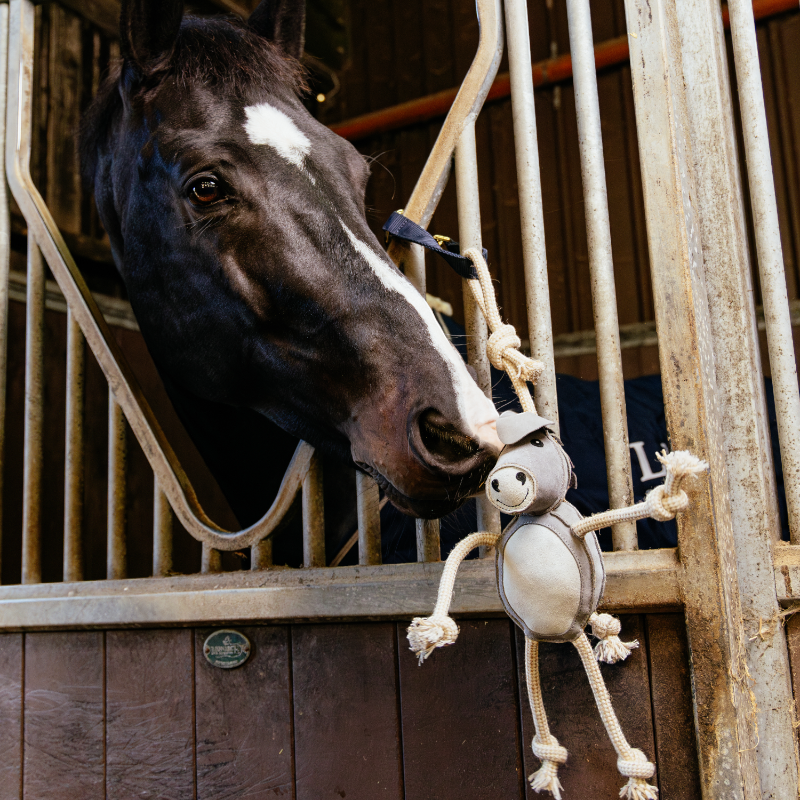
(545, 745)
(427, 633)
(632, 763)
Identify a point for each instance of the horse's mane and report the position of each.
(222, 52)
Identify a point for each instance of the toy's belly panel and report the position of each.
(541, 580)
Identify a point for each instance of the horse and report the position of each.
(237, 223)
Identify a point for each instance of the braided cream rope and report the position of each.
(661, 503)
(631, 763)
(545, 746)
(425, 634)
(503, 344)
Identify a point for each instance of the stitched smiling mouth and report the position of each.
(516, 505)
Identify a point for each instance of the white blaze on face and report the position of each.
(269, 125)
(477, 411)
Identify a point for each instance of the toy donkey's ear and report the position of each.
(282, 22)
(513, 427)
(148, 31)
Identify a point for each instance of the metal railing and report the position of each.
(723, 574)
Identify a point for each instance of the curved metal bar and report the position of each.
(121, 380)
(465, 109)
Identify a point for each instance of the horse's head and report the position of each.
(237, 222)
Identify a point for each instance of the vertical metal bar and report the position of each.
(211, 560)
(770, 253)
(116, 548)
(34, 405)
(601, 267)
(5, 225)
(429, 547)
(313, 516)
(162, 532)
(740, 386)
(73, 466)
(369, 519)
(724, 709)
(261, 555)
(534, 254)
(415, 267)
(469, 234)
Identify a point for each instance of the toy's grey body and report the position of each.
(550, 581)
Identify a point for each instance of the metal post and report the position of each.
(73, 466)
(770, 254)
(724, 710)
(601, 268)
(116, 548)
(737, 361)
(469, 234)
(210, 560)
(261, 555)
(368, 500)
(534, 254)
(429, 547)
(162, 532)
(34, 413)
(5, 226)
(313, 516)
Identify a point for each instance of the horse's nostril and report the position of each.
(496, 485)
(521, 477)
(443, 440)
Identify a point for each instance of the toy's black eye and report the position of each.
(521, 477)
(537, 442)
(205, 192)
(496, 485)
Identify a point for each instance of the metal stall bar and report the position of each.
(162, 533)
(534, 254)
(210, 560)
(369, 519)
(739, 377)
(769, 251)
(261, 555)
(74, 453)
(116, 548)
(313, 516)
(5, 226)
(469, 234)
(601, 268)
(724, 710)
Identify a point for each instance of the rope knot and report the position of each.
(551, 751)
(425, 634)
(663, 506)
(610, 649)
(637, 769)
(545, 779)
(605, 625)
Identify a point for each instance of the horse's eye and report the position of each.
(205, 191)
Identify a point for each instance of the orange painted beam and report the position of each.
(553, 70)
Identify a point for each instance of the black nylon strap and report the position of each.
(401, 227)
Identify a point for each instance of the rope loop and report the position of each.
(425, 634)
(663, 506)
(552, 751)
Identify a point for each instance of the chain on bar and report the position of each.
(601, 268)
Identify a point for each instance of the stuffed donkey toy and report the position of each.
(550, 572)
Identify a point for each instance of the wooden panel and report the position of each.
(11, 715)
(244, 720)
(347, 735)
(64, 716)
(149, 725)
(673, 716)
(591, 770)
(460, 716)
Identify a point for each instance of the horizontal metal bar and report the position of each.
(644, 580)
(544, 73)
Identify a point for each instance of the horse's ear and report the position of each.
(148, 30)
(282, 22)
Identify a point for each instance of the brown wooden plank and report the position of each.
(149, 725)
(244, 720)
(591, 770)
(346, 727)
(460, 716)
(671, 691)
(64, 735)
(11, 715)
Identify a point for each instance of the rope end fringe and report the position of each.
(638, 789)
(610, 649)
(545, 779)
(425, 634)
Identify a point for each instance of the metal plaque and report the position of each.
(226, 649)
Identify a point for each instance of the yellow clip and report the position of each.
(440, 240)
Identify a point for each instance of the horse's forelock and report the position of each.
(218, 52)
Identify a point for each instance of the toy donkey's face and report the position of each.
(533, 472)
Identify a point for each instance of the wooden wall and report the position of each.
(327, 711)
